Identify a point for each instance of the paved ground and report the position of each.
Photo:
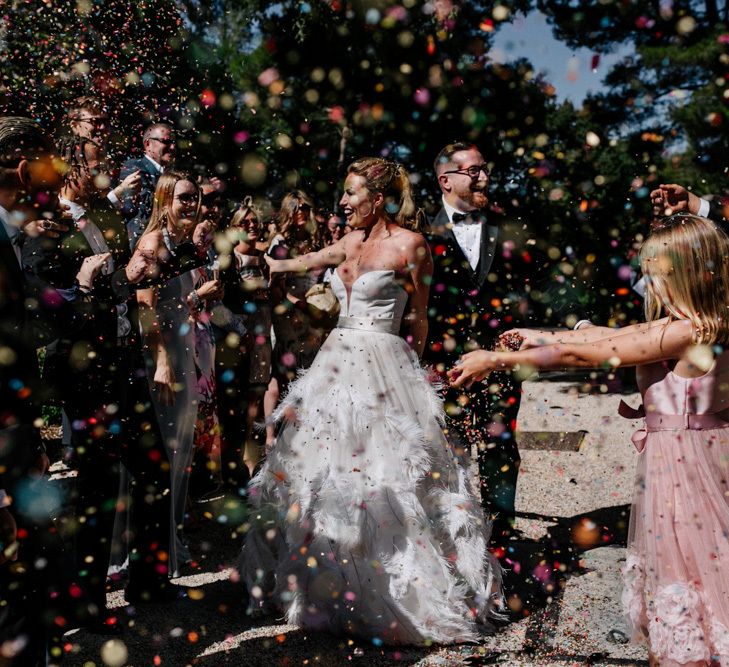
(573, 512)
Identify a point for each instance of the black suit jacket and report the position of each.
(137, 208)
(477, 305)
(719, 210)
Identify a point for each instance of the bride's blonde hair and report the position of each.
(393, 181)
(685, 262)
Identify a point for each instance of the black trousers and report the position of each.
(232, 370)
(35, 589)
(121, 428)
(483, 418)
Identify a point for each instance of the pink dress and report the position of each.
(676, 577)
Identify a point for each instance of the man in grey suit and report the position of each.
(159, 154)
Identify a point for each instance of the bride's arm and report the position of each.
(420, 265)
(645, 346)
(332, 255)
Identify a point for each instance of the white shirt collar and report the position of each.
(450, 210)
(155, 164)
(77, 211)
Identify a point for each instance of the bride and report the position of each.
(361, 521)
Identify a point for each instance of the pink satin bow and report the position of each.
(639, 437)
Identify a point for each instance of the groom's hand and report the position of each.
(472, 367)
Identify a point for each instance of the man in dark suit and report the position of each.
(479, 289)
(159, 154)
(31, 314)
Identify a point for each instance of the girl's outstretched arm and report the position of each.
(538, 337)
(644, 346)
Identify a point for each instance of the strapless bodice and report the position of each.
(375, 295)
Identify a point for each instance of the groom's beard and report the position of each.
(478, 198)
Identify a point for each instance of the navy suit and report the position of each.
(137, 208)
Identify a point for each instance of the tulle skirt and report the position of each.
(676, 577)
(362, 522)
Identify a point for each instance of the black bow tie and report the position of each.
(473, 217)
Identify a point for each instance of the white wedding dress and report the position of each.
(361, 519)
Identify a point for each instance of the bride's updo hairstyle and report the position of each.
(393, 181)
(685, 262)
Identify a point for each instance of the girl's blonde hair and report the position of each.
(393, 181)
(164, 195)
(286, 226)
(685, 262)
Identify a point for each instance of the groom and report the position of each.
(472, 300)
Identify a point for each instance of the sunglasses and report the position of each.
(187, 200)
(164, 142)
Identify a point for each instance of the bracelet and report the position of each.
(194, 299)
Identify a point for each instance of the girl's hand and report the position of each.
(472, 367)
(164, 383)
(521, 339)
(212, 290)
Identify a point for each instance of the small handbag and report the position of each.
(322, 304)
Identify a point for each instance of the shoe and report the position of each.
(154, 594)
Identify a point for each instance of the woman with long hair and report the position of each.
(247, 294)
(297, 339)
(676, 590)
(169, 342)
(362, 520)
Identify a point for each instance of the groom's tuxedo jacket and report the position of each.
(482, 303)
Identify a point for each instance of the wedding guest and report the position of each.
(101, 394)
(297, 339)
(335, 229)
(247, 293)
(676, 595)
(34, 574)
(88, 119)
(159, 154)
(204, 301)
(169, 341)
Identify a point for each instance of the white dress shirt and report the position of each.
(468, 235)
(703, 208)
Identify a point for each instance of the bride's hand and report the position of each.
(472, 367)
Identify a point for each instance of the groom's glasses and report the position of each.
(472, 172)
